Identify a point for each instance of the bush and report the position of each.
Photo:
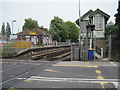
(115, 58)
(41, 45)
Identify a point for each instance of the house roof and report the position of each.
(92, 13)
(36, 31)
(100, 12)
(86, 14)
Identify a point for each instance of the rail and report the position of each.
(44, 53)
(39, 50)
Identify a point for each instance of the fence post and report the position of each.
(109, 56)
(101, 52)
(94, 46)
(71, 52)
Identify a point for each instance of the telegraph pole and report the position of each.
(80, 46)
(79, 25)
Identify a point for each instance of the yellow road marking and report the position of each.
(98, 71)
(100, 77)
(27, 80)
(103, 84)
(12, 89)
(76, 66)
(49, 70)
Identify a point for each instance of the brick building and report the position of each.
(35, 36)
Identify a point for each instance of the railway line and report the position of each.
(26, 67)
(46, 53)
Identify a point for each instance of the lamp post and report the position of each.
(12, 28)
(12, 25)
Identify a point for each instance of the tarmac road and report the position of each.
(59, 74)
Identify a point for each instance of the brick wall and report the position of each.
(101, 43)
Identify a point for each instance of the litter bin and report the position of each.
(90, 54)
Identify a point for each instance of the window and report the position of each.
(98, 22)
(27, 38)
(84, 23)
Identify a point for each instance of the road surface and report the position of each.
(58, 74)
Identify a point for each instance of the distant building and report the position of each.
(35, 36)
(99, 19)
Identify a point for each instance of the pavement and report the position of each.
(60, 74)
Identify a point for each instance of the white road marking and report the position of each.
(116, 84)
(22, 78)
(37, 78)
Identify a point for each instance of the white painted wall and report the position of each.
(87, 18)
(97, 33)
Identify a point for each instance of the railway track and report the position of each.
(25, 69)
(48, 53)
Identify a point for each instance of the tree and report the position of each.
(3, 29)
(117, 20)
(30, 24)
(73, 31)
(62, 31)
(111, 29)
(118, 15)
(58, 29)
(8, 30)
(45, 29)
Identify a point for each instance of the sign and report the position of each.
(32, 33)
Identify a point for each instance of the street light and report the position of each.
(12, 29)
(12, 25)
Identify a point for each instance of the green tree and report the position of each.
(30, 24)
(45, 29)
(62, 31)
(58, 29)
(3, 29)
(111, 29)
(8, 30)
(117, 20)
(73, 31)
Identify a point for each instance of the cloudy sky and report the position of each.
(45, 10)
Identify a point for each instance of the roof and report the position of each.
(86, 14)
(92, 13)
(36, 31)
(100, 12)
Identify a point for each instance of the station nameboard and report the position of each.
(32, 33)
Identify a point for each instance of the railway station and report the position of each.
(80, 54)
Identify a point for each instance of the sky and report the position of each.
(44, 10)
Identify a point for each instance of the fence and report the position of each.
(9, 48)
(21, 44)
